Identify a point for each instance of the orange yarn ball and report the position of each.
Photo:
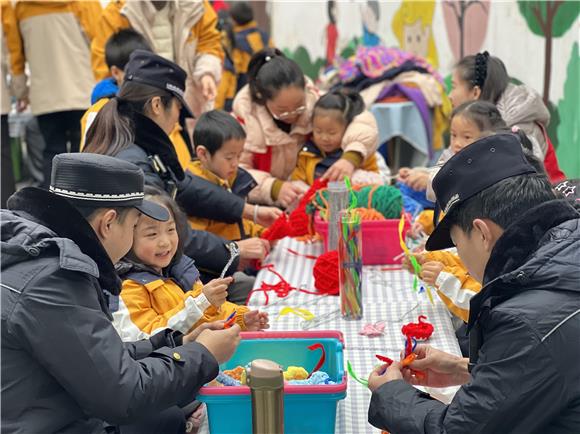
(326, 273)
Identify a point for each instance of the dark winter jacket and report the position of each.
(154, 153)
(524, 340)
(64, 367)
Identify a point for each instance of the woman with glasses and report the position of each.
(276, 108)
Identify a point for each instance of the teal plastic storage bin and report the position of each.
(307, 409)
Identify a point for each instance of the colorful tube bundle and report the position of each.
(350, 261)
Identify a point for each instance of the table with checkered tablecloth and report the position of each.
(387, 296)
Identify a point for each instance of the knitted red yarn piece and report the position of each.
(297, 223)
(300, 221)
(279, 229)
(326, 273)
(420, 331)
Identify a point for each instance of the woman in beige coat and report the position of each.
(276, 109)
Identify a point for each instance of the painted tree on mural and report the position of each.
(550, 19)
(466, 24)
(569, 128)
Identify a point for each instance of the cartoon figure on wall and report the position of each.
(331, 32)
(370, 18)
(466, 25)
(412, 25)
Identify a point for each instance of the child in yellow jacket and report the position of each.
(444, 271)
(241, 39)
(161, 286)
(219, 141)
(339, 119)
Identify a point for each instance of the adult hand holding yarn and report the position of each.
(254, 248)
(440, 369)
(381, 376)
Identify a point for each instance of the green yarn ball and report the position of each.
(386, 199)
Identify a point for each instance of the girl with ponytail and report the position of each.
(340, 122)
(485, 78)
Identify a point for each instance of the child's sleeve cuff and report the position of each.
(353, 157)
(276, 187)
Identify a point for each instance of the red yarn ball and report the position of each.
(326, 273)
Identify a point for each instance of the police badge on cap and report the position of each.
(101, 181)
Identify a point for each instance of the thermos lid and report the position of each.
(265, 374)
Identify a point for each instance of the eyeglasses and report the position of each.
(286, 115)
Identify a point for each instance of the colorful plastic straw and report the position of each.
(350, 260)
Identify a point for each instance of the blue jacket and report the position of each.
(106, 88)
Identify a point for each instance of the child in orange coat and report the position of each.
(161, 286)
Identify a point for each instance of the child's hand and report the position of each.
(430, 272)
(418, 180)
(216, 291)
(407, 265)
(193, 335)
(267, 215)
(416, 230)
(256, 320)
(404, 173)
(288, 194)
(339, 170)
(253, 248)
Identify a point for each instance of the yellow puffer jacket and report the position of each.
(229, 231)
(56, 39)
(454, 285)
(183, 154)
(196, 40)
(310, 157)
(149, 303)
(425, 217)
(11, 61)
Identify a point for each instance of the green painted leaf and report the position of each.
(310, 67)
(562, 21)
(565, 17)
(569, 129)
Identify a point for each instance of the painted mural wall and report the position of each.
(537, 40)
